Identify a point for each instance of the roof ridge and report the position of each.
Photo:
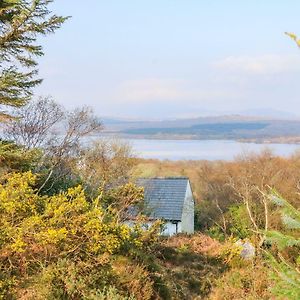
(165, 196)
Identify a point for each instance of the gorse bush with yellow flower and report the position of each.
(67, 246)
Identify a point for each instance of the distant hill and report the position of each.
(269, 113)
(236, 127)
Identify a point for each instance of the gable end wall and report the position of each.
(187, 220)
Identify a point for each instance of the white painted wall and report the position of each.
(169, 228)
(188, 211)
(187, 221)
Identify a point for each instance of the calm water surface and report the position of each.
(208, 149)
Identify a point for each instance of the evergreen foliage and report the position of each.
(16, 158)
(21, 22)
(285, 271)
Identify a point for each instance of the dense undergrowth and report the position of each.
(63, 204)
(242, 200)
(70, 242)
(67, 239)
(66, 246)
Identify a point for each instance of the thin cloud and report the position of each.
(168, 91)
(150, 89)
(264, 64)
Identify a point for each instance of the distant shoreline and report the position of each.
(233, 128)
(268, 140)
(275, 140)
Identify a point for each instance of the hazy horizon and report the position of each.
(256, 114)
(174, 59)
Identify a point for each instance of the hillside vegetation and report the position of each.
(242, 200)
(63, 203)
(63, 236)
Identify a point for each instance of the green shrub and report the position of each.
(285, 267)
(65, 246)
(239, 221)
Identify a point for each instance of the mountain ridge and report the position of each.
(235, 126)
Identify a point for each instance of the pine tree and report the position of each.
(21, 22)
(285, 273)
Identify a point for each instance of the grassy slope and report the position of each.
(192, 267)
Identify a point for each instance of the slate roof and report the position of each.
(164, 197)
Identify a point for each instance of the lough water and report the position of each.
(203, 149)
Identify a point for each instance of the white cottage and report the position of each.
(171, 200)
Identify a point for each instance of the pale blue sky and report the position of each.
(174, 58)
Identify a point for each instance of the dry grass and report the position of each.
(192, 268)
(249, 282)
(190, 265)
(198, 243)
